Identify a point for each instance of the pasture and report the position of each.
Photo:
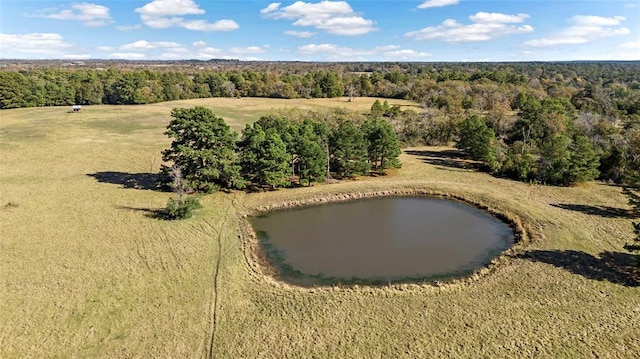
(85, 271)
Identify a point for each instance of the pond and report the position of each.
(379, 240)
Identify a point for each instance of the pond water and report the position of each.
(383, 239)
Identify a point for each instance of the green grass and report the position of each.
(85, 271)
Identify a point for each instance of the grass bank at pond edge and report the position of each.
(276, 269)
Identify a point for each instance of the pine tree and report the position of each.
(287, 131)
(312, 157)
(204, 149)
(584, 161)
(632, 184)
(263, 156)
(348, 148)
(479, 141)
(555, 159)
(377, 110)
(384, 148)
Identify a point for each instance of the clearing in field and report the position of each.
(85, 271)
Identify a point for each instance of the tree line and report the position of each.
(605, 88)
(275, 151)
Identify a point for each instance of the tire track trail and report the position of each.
(231, 209)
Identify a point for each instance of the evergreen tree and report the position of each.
(348, 148)
(479, 141)
(204, 149)
(632, 184)
(377, 110)
(384, 148)
(555, 159)
(287, 131)
(263, 156)
(584, 161)
(312, 156)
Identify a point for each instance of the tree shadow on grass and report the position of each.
(615, 267)
(155, 213)
(603, 211)
(144, 181)
(446, 158)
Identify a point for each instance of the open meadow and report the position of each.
(86, 271)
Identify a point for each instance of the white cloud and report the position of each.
(89, 14)
(138, 45)
(406, 54)
(300, 34)
(271, 8)
(437, 3)
(127, 56)
(335, 52)
(248, 50)
(171, 56)
(201, 25)
(146, 45)
(484, 27)
(76, 56)
(590, 20)
(105, 48)
(129, 28)
(208, 53)
(162, 14)
(333, 17)
(35, 45)
(493, 17)
(584, 29)
(161, 8)
(387, 48)
(199, 44)
(195, 25)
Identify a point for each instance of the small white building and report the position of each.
(77, 108)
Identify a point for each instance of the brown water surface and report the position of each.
(383, 239)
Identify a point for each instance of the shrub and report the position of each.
(181, 208)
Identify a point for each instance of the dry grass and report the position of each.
(85, 271)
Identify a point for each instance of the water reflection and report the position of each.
(384, 239)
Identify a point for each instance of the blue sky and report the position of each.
(380, 30)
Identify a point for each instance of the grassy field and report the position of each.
(86, 272)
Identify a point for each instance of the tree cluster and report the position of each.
(276, 151)
(542, 145)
